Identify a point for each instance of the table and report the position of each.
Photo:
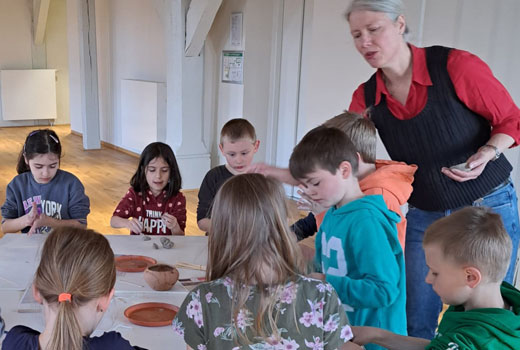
(19, 257)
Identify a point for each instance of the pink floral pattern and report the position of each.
(205, 322)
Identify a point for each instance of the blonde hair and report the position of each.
(236, 129)
(251, 242)
(79, 262)
(473, 236)
(361, 131)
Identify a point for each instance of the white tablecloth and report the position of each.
(19, 257)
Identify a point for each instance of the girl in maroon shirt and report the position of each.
(154, 204)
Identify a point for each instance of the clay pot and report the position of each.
(161, 276)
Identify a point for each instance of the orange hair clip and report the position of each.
(65, 297)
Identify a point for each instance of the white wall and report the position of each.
(252, 100)
(16, 47)
(332, 68)
(57, 56)
(223, 101)
(134, 49)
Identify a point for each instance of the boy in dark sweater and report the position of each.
(238, 145)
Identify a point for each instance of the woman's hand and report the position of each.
(476, 163)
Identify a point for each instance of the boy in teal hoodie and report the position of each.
(468, 255)
(357, 248)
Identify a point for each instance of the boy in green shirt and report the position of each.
(468, 254)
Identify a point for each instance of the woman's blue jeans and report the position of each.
(423, 306)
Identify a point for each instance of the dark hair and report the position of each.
(152, 151)
(238, 128)
(474, 236)
(325, 148)
(40, 141)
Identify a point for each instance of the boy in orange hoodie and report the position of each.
(391, 179)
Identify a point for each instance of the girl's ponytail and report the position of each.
(77, 266)
(67, 331)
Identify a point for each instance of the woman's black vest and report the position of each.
(443, 134)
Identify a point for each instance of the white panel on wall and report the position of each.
(28, 94)
(143, 111)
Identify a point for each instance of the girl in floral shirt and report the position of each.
(256, 297)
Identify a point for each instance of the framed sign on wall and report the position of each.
(232, 67)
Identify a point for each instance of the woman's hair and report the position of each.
(392, 8)
(40, 141)
(152, 151)
(81, 263)
(251, 243)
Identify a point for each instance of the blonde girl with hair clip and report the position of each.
(74, 282)
(256, 296)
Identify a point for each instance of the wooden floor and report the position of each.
(105, 173)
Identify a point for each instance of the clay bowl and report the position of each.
(161, 276)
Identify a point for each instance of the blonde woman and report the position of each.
(256, 296)
(442, 109)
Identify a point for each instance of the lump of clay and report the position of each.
(166, 243)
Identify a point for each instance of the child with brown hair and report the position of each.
(391, 179)
(256, 296)
(238, 144)
(74, 282)
(357, 250)
(468, 253)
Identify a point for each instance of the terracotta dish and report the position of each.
(161, 276)
(151, 314)
(133, 263)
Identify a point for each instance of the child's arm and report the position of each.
(172, 224)
(47, 221)
(132, 224)
(123, 216)
(175, 215)
(281, 174)
(386, 339)
(204, 224)
(18, 224)
(304, 227)
(79, 204)
(373, 281)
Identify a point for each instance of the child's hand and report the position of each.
(134, 225)
(32, 215)
(259, 168)
(306, 202)
(317, 275)
(170, 221)
(41, 220)
(364, 335)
